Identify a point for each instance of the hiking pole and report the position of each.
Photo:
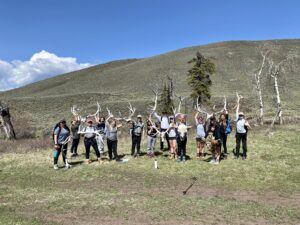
(191, 185)
(62, 149)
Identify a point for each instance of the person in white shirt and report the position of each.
(164, 121)
(242, 127)
(90, 133)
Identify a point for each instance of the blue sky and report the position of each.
(93, 32)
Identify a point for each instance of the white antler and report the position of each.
(97, 112)
(74, 111)
(198, 109)
(131, 112)
(109, 114)
(224, 107)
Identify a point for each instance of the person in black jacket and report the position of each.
(225, 129)
(75, 136)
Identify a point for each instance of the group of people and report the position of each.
(211, 133)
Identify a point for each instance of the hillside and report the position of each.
(115, 83)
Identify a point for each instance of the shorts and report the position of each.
(201, 140)
(172, 138)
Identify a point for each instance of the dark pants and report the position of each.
(88, 142)
(167, 138)
(181, 147)
(224, 141)
(239, 138)
(75, 145)
(57, 152)
(136, 142)
(112, 149)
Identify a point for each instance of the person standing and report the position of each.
(61, 135)
(182, 137)
(225, 130)
(164, 121)
(90, 133)
(200, 136)
(152, 133)
(137, 132)
(112, 138)
(242, 127)
(101, 129)
(172, 133)
(75, 136)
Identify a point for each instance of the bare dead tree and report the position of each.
(5, 122)
(257, 77)
(275, 71)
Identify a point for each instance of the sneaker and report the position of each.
(183, 158)
(55, 167)
(244, 158)
(217, 163)
(235, 157)
(212, 161)
(67, 166)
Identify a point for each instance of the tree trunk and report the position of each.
(278, 101)
(6, 124)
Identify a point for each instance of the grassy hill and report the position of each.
(115, 83)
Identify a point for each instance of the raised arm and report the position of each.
(196, 117)
(158, 117)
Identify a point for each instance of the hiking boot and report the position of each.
(55, 167)
(67, 166)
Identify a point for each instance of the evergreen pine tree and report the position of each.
(199, 78)
(165, 102)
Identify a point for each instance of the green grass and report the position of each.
(264, 189)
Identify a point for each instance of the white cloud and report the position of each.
(41, 65)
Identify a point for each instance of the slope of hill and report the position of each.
(115, 83)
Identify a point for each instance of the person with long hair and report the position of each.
(171, 132)
(152, 132)
(61, 136)
(225, 129)
(75, 136)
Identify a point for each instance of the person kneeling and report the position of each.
(213, 144)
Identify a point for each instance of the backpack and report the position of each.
(228, 128)
(136, 127)
(59, 130)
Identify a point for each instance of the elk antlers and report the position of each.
(208, 114)
(75, 110)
